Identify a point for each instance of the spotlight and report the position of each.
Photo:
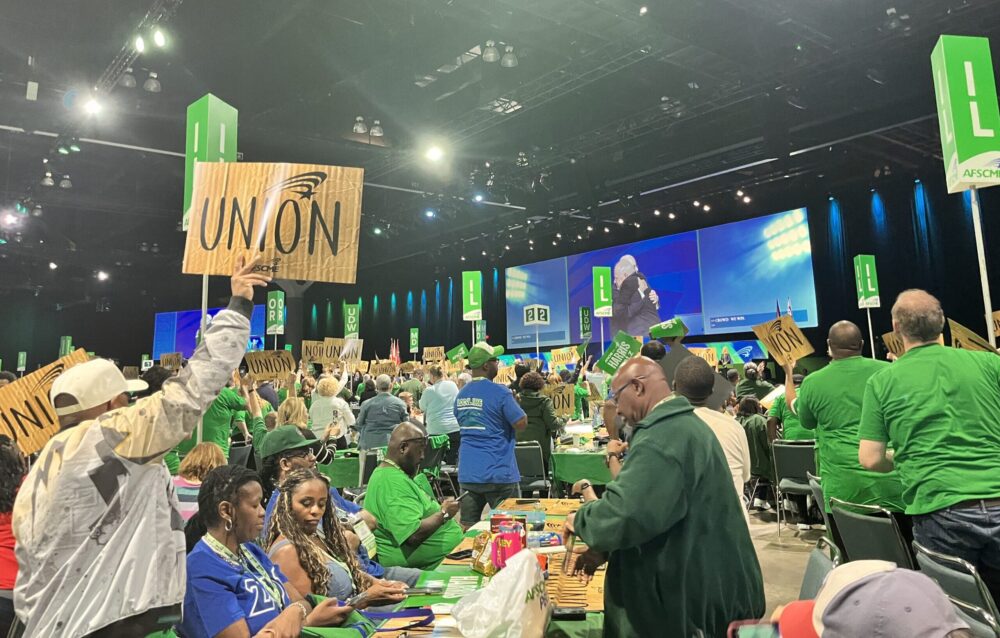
(531, 242)
(746, 199)
(434, 154)
(376, 129)
(484, 253)
(657, 212)
(509, 60)
(830, 198)
(621, 221)
(739, 193)
(377, 230)
(140, 44)
(554, 242)
(65, 182)
(92, 106)
(579, 238)
(478, 197)
(506, 247)
(74, 146)
(152, 83)
(159, 38)
(359, 125)
(671, 216)
(558, 235)
(9, 219)
(590, 228)
(53, 265)
(643, 10)
(155, 248)
(463, 257)
(429, 213)
(143, 247)
(490, 53)
(606, 229)
(706, 208)
(37, 211)
(63, 149)
(47, 180)
(102, 276)
(696, 203)
(127, 80)
(636, 224)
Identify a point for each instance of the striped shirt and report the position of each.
(187, 496)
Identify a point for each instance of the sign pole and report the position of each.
(204, 313)
(473, 323)
(871, 337)
(977, 226)
(602, 336)
(538, 354)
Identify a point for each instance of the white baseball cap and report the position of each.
(91, 384)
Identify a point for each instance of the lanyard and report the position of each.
(253, 566)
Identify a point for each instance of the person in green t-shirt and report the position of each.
(217, 422)
(829, 402)
(751, 384)
(780, 414)
(939, 409)
(413, 530)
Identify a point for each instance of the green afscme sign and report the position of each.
(968, 115)
(866, 281)
(602, 291)
(414, 340)
(472, 295)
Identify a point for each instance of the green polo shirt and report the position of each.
(939, 408)
(829, 402)
(399, 504)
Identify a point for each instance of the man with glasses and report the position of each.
(671, 528)
(414, 530)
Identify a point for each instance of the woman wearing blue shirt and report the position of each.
(233, 590)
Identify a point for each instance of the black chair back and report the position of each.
(794, 460)
(958, 578)
(529, 461)
(869, 532)
(239, 454)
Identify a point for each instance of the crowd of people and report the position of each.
(131, 520)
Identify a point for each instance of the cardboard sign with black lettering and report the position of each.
(171, 360)
(563, 356)
(784, 339)
(352, 349)
(362, 367)
(505, 375)
(312, 351)
(893, 343)
(387, 366)
(26, 414)
(408, 367)
(303, 219)
(708, 354)
(269, 365)
(562, 398)
(433, 353)
(996, 323)
(131, 372)
(962, 337)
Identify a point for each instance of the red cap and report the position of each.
(796, 620)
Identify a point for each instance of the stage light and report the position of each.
(102, 276)
(65, 182)
(657, 212)
(509, 60)
(37, 211)
(696, 203)
(359, 125)
(558, 235)
(706, 208)
(490, 53)
(140, 44)
(63, 149)
(636, 224)
(159, 38)
(10, 219)
(152, 83)
(127, 80)
(531, 247)
(377, 230)
(478, 197)
(671, 216)
(621, 221)
(746, 199)
(434, 154)
(916, 181)
(74, 146)
(739, 193)
(506, 247)
(47, 180)
(830, 198)
(92, 106)
(579, 238)
(484, 253)
(463, 257)
(531, 241)
(429, 213)
(155, 248)
(53, 265)
(607, 230)
(376, 129)
(590, 228)
(643, 10)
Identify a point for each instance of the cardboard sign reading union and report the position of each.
(304, 219)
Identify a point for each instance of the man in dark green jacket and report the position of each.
(680, 559)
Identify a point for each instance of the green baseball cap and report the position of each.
(482, 352)
(284, 438)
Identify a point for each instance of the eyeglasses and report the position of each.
(424, 439)
(631, 382)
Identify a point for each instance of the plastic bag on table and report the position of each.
(514, 604)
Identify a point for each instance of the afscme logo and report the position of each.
(982, 173)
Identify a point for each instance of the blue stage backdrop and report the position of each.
(722, 279)
(178, 331)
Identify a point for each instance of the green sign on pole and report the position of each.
(457, 353)
(414, 340)
(147, 363)
(586, 325)
(866, 281)
(622, 348)
(211, 137)
(968, 115)
(352, 320)
(480, 330)
(22, 361)
(602, 291)
(536, 315)
(65, 346)
(472, 295)
(275, 313)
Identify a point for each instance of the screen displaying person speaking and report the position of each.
(722, 279)
(178, 331)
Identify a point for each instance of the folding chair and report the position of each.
(431, 467)
(822, 559)
(793, 461)
(816, 486)
(368, 460)
(529, 463)
(239, 454)
(869, 532)
(981, 622)
(958, 578)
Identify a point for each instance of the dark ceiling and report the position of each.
(610, 112)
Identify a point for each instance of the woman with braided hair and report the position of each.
(233, 589)
(306, 541)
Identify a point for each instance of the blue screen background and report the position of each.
(177, 331)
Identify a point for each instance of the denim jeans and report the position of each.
(482, 493)
(969, 533)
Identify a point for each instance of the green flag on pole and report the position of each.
(586, 325)
(602, 291)
(211, 137)
(414, 340)
(22, 361)
(65, 346)
(866, 281)
(472, 295)
(275, 313)
(352, 320)
(480, 330)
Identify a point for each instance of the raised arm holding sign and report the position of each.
(784, 339)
